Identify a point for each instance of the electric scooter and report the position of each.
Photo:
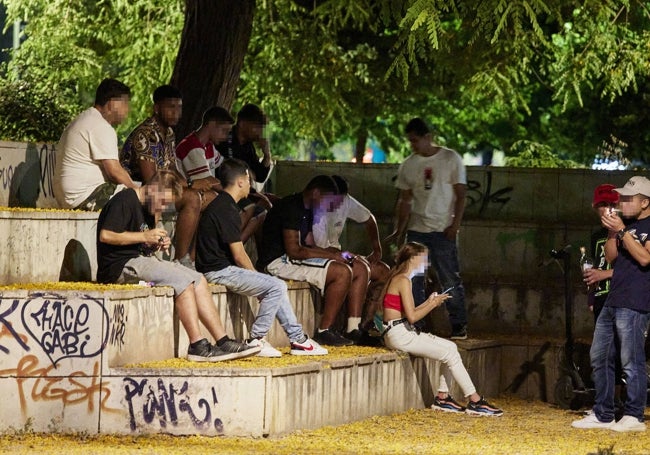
(571, 390)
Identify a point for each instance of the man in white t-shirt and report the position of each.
(88, 170)
(327, 228)
(432, 183)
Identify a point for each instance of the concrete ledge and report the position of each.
(48, 245)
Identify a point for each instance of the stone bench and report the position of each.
(70, 357)
(48, 245)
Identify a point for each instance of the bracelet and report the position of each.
(620, 234)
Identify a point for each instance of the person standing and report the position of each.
(432, 183)
(88, 171)
(599, 276)
(625, 314)
(221, 257)
(126, 241)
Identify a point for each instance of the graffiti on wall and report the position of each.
(118, 326)
(483, 197)
(63, 327)
(37, 333)
(37, 383)
(47, 162)
(165, 404)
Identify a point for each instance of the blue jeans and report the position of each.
(630, 326)
(272, 292)
(443, 256)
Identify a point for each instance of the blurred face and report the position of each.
(117, 110)
(251, 131)
(631, 206)
(418, 143)
(420, 262)
(603, 208)
(159, 199)
(321, 201)
(169, 111)
(331, 202)
(219, 131)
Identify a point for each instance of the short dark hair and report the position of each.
(230, 170)
(324, 183)
(252, 113)
(109, 89)
(165, 92)
(418, 126)
(217, 114)
(341, 183)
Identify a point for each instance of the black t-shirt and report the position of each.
(630, 286)
(598, 240)
(289, 213)
(220, 225)
(231, 148)
(122, 213)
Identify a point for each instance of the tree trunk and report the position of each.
(210, 56)
(360, 146)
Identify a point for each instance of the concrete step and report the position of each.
(81, 360)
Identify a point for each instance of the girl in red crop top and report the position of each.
(398, 305)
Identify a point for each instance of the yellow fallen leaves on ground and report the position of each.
(287, 360)
(528, 428)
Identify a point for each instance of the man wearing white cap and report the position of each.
(625, 314)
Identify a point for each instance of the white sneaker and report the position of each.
(591, 421)
(628, 423)
(267, 349)
(307, 347)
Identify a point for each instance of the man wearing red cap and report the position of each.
(598, 277)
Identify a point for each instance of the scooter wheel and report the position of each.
(565, 395)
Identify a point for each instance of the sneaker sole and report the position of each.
(439, 408)
(303, 352)
(273, 355)
(227, 356)
(482, 414)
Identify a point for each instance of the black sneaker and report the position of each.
(362, 337)
(483, 408)
(203, 351)
(459, 332)
(329, 337)
(236, 349)
(354, 336)
(447, 404)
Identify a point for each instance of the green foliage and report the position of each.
(542, 79)
(531, 154)
(72, 45)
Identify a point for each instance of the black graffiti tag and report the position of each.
(5, 325)
(118, 326)
(66, 327)
(165, 403)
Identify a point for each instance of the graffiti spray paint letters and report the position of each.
(167, 404)
(6, 329)
(118, 326)
(66, 327)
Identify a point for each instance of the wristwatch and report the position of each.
(620, 234)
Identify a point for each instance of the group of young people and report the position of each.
(208, 180)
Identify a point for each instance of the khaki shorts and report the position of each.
(313, 270)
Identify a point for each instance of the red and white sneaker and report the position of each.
(307, 347)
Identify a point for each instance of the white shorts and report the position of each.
(312, 270)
